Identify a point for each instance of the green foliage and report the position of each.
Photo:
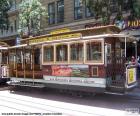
(102, 9)
(4, 7)
(136, 6)
(94, 5)
(31, 12)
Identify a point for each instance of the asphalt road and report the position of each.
(37, 102)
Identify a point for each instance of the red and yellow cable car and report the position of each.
(88, 60)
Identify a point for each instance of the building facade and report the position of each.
(11, 34)
(71, 14)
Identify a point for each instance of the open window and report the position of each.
(94, 51)
(76, 52)
(48, 54)
(61, 53)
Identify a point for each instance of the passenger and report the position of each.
(133, 60)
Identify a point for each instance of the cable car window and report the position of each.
(48, 53)
(61, 53)
(76, 51)
(94, 51)
(11, 57)
(18, 56)
(27, 58)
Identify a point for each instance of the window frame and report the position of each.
(113, 7)
(76, 61)
(60, 12)
(102, 52)
(48, 62)
(51, 13)
(84, 61)
(61, 62)
(76, 9)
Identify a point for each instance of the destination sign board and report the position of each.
(52, 38)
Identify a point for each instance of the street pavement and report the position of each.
(42, 103)
(38, 102)
(12, 104)
(136, 91)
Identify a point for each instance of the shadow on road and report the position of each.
(118, 102)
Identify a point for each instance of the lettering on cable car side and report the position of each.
(98, 82)
(60, 37)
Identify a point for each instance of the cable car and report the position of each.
(94, 60)
(4, 71)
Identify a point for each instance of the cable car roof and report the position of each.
(85, 32)
(121, 37)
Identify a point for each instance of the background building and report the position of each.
(72, 14)
(10, 35)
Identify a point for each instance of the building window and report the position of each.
(113, 6)
(51, 13)
(15, 25)
(48, 53)
(11, 28)
(126, 5)
(88, 10)
(78, 9)
(61, 53)
(76, 51)
(13, 4)
(60, 11)
(94, 51)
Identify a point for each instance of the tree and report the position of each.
(4, 7)
(102, 9)
(135, 9)
(31, 12)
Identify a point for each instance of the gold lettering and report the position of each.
(60, 37)
(129, 23)
(132, 24)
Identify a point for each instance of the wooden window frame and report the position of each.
(102, 52)
(47, 62)
(74, 61)
(84, 61)
(61, 62)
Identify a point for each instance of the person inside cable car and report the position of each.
(133, 60)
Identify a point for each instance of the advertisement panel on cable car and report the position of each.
(131, 76)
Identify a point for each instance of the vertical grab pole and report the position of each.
(125, 47)
(33, 64)
(24, 64)
(136, 55)
(8, 64)
(16, 62)
(125, 84)
(22, 58)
